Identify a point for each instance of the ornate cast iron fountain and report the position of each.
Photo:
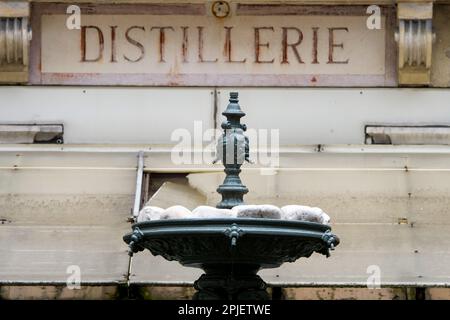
(232, 150)
(232, 250)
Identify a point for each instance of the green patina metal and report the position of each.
(233, 150)
(231, 251)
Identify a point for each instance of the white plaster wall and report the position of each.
(338, 116)
(108, 115)
(149, 115)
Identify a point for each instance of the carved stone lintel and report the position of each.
(15, 36)
(415, 39)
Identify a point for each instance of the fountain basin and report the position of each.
(199, 242)
(231, 251)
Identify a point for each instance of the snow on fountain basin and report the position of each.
(267, 211)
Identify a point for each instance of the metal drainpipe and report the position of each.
(138, 193)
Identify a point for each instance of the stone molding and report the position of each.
(415, 39)
(15, 36)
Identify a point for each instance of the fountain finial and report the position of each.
(233, 150)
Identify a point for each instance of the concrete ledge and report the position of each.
(142, 292)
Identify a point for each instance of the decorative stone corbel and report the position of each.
(415, 38)
(15, 36)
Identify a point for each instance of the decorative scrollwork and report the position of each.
(267, 251)
(233, 233)
(330, 240)
(135, 243)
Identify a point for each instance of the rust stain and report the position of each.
(101, 42)
(120, 8)
(332, 45)
(294, 45)
(135, 43)
(258, 44)
(162, 40)
(63, 76)
(227, 46)
(113, 43)
(185, 44)
(83, 43)
(90, 50)
(299, 9)
(315, 44)
(227, 49)
(200, 46)
(89, 9)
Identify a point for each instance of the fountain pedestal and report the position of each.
(231, 282)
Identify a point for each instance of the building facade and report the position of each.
(106, 105)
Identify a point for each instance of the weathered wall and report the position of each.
(150, 115)
(183, 293)
(390, 207)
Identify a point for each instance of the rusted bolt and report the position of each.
(220, 9)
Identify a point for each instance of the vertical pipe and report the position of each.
(138, 193)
